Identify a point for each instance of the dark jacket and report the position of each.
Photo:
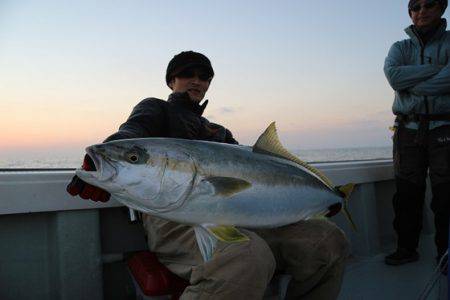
(178, 117)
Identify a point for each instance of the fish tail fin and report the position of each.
(346, 191)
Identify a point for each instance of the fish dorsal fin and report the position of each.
(269, 143)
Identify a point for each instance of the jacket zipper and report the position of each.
(422, 61)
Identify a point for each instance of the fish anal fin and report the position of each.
(228, 234)
(228, 186)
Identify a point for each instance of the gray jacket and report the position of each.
(420, 75)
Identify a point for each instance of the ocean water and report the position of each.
(344, 154)
(52, 161)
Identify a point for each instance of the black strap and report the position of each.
(422, 132)
(166, 125)
(424, 117)
(438, 117)
(424, 122)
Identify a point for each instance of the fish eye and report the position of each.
(133, 157)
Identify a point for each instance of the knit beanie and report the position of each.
(185, 60)
(443, 4)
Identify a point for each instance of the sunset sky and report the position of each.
(71, 71)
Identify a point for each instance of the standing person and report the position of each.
(313, 252)
(418, 70)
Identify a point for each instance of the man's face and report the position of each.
(426, 13)
(193, 81)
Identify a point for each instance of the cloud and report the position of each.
(227, 110)
(375, 119)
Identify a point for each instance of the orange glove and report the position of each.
(86, 190)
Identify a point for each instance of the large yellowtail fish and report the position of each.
(214, 186)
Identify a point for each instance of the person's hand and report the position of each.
(86, 190)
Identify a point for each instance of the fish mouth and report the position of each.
(103, 170)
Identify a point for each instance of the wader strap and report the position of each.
(422, 132)
(401, 118)
(424, 122)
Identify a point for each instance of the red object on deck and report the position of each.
(153, 277)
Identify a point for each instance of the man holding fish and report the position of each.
(205, 188)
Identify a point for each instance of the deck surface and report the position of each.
(369, 278)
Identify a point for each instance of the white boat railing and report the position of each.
(40, 191)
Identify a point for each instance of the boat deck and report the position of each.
(370, 279)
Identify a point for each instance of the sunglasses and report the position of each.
(190, 73)
(428, 5)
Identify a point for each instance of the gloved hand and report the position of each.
(86, 190)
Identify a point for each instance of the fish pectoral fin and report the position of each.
(268, 143)
(206, 242)
(229, 234)
(228, 186)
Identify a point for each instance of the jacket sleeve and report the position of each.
(146, 120)
(401, 76)
(437, 85)
(229, 139)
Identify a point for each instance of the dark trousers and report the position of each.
(412, 161)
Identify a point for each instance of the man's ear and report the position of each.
(171, 83)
